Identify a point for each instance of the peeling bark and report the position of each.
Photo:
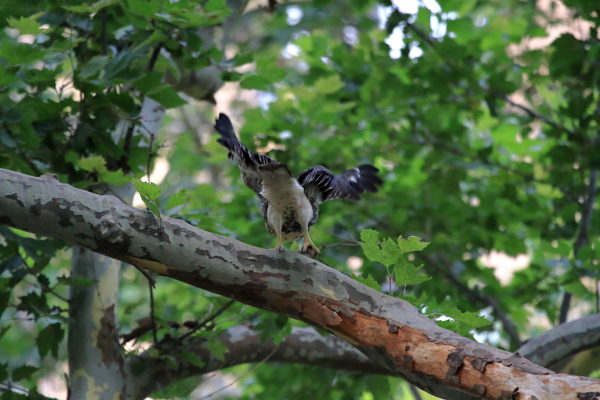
(290, 284)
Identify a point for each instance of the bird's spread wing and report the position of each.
(320, 184)
(248, 161)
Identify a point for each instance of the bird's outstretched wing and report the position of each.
(248, 161)
(320, 184)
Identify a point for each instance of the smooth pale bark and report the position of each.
(95, 357)
(388, 330)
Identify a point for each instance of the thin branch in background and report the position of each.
(581, 240)
(152, 313)
(11, 388)
(207, 320)
(154, 57)
(475, 296)
(239, 378)
(535, 115)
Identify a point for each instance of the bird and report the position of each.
(290, 206)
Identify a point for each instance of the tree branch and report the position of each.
(244, 345)
(553, 347)
(582, 238)
(388, 330)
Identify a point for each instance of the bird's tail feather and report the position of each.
(225, 128)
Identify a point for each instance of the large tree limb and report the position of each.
(244, 345)
(386, 329)
(307, 346)
(555, 346)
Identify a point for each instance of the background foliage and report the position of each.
(481, 115)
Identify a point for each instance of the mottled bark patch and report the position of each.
(107, 340)
(588, 396)
(516, 360)
(261, 276)
(479, 389)
(16, 199)
(357, 297)
(479, 364)
(455, 363)
(308, 281)
(509, 395)
(151, 228)
(392, 328)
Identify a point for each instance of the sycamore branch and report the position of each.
(387, 330)
(556, 345)
(307, 346)
(244, 345)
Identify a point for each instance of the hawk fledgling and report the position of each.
(290, 206)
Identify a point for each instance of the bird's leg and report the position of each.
(308, 246)
(279, 244)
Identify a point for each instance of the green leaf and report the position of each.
(407, 274)
(215, 5)
(144, 8)
(330, 84)
(369, 236)
(26, 25)
(90, 8)
(21, 53)
(116, 178)
(192, 358)
(367, 280)
(147, 190)
(23, 372)
(255, 82)
(177, 199)
(216, 347)
(148, 82)
(468, 318)
(167, 97)
(373, 252)
(95, 164)
(410, 244)
(49, 339)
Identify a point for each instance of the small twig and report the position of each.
(152, 314)
(340, 244)
(581, 240)
(10, 387)
(154, 57)
(207, 320)
(535, 115)
(236, 380)
(150, 154)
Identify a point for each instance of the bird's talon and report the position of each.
(310, 250)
